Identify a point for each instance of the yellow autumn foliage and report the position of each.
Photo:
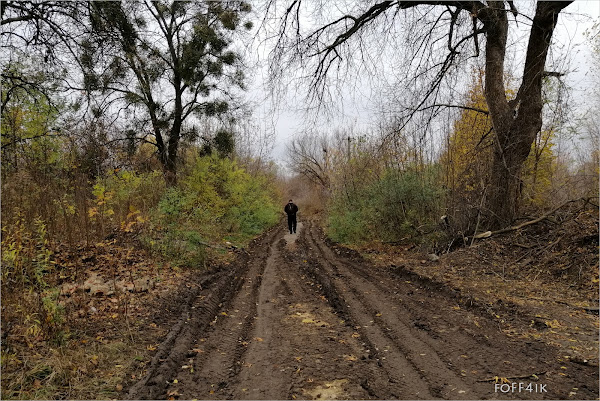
(469, 153)
(539, 169)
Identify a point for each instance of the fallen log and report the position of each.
(488, 234)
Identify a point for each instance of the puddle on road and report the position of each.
(328, 391)
(290, 239)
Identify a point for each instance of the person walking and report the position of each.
(291, 209)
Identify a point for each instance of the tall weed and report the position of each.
(26, 264)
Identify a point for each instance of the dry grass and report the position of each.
(104, 341)
(83, 369)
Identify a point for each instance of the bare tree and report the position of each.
(309, 157)
(37, 39)
(451, 28)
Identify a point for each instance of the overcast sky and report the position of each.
(356, 106)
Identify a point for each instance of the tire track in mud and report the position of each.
(412, 367)
(336, 362)
(434, 325)
(389, 315)
(302, 346)
(199, 315)
(216, 360)
(460, 346)
(297, 319)
(287, 342)
(264, 356)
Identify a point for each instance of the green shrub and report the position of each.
(26, 264)
(217, 201)
(346, 226)
(228, 197)
(401, 204)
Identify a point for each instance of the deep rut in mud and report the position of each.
(297, 317)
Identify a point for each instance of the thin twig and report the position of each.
(495, 378)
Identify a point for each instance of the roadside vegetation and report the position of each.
(100, 215)
(131, 165)
(66, 211)
(393, 189)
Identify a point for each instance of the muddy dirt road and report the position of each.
(299, 318)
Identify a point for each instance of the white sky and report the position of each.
(356, 108)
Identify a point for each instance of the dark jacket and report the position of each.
(291, 209)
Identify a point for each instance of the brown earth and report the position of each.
(296, 317)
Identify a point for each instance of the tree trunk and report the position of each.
(170, 165)
(170, 172)
(167, 153)
(505, 189)
(517, 122)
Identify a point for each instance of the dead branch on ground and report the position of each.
(488, 234)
